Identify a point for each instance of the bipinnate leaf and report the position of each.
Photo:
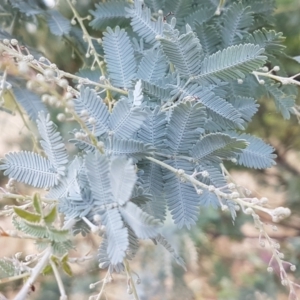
(107, 13)
(90, 103)
(143, 225)
(122, 178)
(57, 23)
(104, 261)
(238, 17)
(97, 166)
(34, 230)
(257, 154)
(7, 268)
(136, 150)
(231, 63)
(153, 130)
(117, 235)
(215, 147)
(185, 126)
(119, 56)
(184, 51)
(52, 143)
(141, 22)
(29, 168)
(126, 120)
(163, 241)
(153, 66)
(284, 102)
(58, 235)
(153, 184)
(182, 198)
(30, 101)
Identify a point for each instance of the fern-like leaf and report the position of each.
(142, 24)
(7, 268)
(257, 154)
(212, 102)
(97, 167)
(29, 7)
(61, 248)
(246, 106)
(52, 143)
(126, 120)
(68, 182)
(119, 56)
(133, 244)
(57, 235)
(30, 101)
(184, 51)
(157, 90)
(200, 16)
(143, 225)
(153, 66)
(90, 102)
(263, 9)
(163, 241)
(185, 127)
(84, 145)
(182, 199)
(117, 235)
(34, 230)
(122, 178)
(104, 261)
(217, 146)
(283, 102)
(108, 13)
(268, 39)
(231, 63)
(128, 147)
(57, 23)
(237, 18)
(30, 168)
(153, 130)
(153, 184)
(209, 37)
(155, 5)
(180, 9)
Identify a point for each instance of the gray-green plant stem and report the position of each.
(13, 278)
(219, 193)
(104, 282)
(34, 275)
(60, 284)
(128, 271)
(283, 80)
(24, 198)
(262, 232)
(86, 35)
(38, 66)
(90, 46)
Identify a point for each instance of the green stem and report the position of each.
(13, 278)
(58, 280)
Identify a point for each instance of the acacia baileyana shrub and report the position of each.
(163, 99)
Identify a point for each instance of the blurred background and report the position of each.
(224, 260)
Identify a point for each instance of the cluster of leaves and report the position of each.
(191, 94)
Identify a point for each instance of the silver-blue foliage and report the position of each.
(188, 70)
